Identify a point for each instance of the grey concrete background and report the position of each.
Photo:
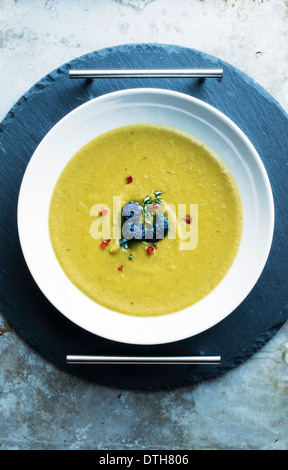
(43, 408)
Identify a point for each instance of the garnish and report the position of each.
(133, 228)
(121, 267)
(147, 200)
(150, 249)
(131, 257)
(158, 192)
(188, 220)
(151, 205)
(124, 242)
(105, 243)
(129, 179)
(103, 212)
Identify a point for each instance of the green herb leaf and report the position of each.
(131, 257)
(147, 200)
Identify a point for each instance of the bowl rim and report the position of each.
(139, 322)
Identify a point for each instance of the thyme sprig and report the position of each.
(148, 200)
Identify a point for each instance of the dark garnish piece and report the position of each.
(132, 227)
(132, 209)
(124, 242)
(156, 227)
(132, 230)
(158, 230)
(161, 227)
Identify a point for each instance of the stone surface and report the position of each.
(45, 408)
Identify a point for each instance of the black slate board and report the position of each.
(237, 337)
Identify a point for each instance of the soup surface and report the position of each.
(154, 166)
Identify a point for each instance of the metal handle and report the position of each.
(146, 73)
(74, 359)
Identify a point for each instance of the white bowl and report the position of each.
(145, 106)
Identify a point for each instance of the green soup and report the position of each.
(184, 171)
